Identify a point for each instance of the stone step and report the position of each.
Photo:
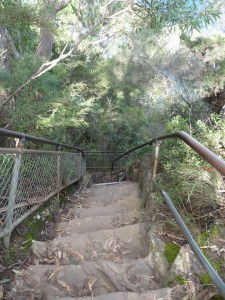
(88, 279)
(109, 183)
(101, 207)
(98, 223)
(122, 189)
(109, 210)
(160, 294)
(107, 199)
(112, 244)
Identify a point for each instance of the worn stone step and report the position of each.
(99, 207)
(112, 244)
(98, 223)
(160, 294)
(107, 199)
(122, 188)
(88, 279)
(109, 210)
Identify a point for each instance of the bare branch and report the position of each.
(62, 4)
(118, 13)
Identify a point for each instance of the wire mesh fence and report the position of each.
(101, 159)
(130, 159)
(31, 177)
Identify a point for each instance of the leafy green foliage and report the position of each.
(188, 15)
(21, 20)
(97, 99)
(68, 110)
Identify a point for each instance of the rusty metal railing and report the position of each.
(214, 161)
(204, 152)
(28, 178)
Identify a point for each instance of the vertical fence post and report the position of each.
(58, 171)
(83, 159)
(79, 165)
(12, 195)
(156, 159)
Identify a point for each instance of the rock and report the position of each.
(39, 249)
(156, 258)
(186, 263)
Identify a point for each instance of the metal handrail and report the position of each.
(103, 152)
(197, 251)
(10, 133)
(214, 161)
(204, 152)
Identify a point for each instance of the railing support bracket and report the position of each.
(156, 159)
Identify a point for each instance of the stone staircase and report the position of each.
(100, 254)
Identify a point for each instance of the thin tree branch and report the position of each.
(61, 5)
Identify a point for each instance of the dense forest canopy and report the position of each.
(109, 74)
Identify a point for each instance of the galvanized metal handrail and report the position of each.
(197, 251)
(214, 161)
(19, 135)
(204, 152)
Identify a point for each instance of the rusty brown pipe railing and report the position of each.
(214, 161)
(204, 152)
(19, 135)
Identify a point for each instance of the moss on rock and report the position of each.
(171, 251)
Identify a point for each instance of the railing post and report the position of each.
(83, 162)
(13, 192)
(58, 171)
(156, 159)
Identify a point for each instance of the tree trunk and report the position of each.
(46, 39)
(4, 53)
(45, 45)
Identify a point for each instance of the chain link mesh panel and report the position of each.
(101, 160)
(30, 178)
(6, 167)
(131, 158)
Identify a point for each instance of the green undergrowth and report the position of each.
(217, 265)
(181, 279)
(35, 222)
(30, 229)
(191, 183)
(209, 234)
(217, 297)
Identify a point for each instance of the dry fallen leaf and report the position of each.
(55, 272)
(94, 254)
(72, 251)
(117, 259)
(18, 272)
(62, 283)
(161, 233)
(91, 283)
(59, 254)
